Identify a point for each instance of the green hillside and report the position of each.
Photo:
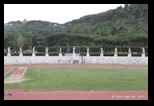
(131, 19)
(126, 26)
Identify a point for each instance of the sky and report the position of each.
(59, 13)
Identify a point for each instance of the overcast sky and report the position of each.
(59, 13)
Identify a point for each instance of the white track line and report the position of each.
(9, 71)
(23, 72)
(25, 68)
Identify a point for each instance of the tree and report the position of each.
(137, 13)
(81, 29)
(145, 13)
(140, 40)
(20, 41)
(9, 40)
(126, 7)
(113, 30)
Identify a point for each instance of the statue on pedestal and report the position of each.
(46, 50)
(101, 52)
(129, 52)
(60, 49)
(8, 52)
(115, 50)
(87, 51)
(115, 53)
(60, 54)
(73, 50)
(33, 49)
(143, 50)
(33, 54)
(20, 52)
(8, 49)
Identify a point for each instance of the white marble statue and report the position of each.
(46, 50)
(20, 50)
(101, 52)
(129, 52)
(60, 49)
(8, 52)
(115, 53)
(143, 50)
(87, 52)
(33, 54)
(8, 49)
(73, 50)
(115, 50)
(60, 53)
(33, 49)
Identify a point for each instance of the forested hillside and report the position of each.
(126, 26)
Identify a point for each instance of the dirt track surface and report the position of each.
(84, 65)
(7, 69)
(19, 94)
(76, 95)
(18, 74)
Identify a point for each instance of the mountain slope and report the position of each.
(132, 18)
(128, 23)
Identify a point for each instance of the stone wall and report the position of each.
(12, 60)
(75, 58)
(116, 60)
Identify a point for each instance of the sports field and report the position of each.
(43, 79)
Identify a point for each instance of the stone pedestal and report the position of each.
(115, 55)
(129, 55)
(60, 54)
(20, 54)
(143, 55)
(8, 54)
(33, 54)
(47, 54)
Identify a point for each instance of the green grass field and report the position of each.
(48, 79)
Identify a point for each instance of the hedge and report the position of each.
(91, 49)
(27, 54)
(81, 53)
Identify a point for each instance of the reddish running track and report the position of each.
(19, 73)
(85, 65)
(76, 95)
(7, 69)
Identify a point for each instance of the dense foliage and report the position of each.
(119, 27)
